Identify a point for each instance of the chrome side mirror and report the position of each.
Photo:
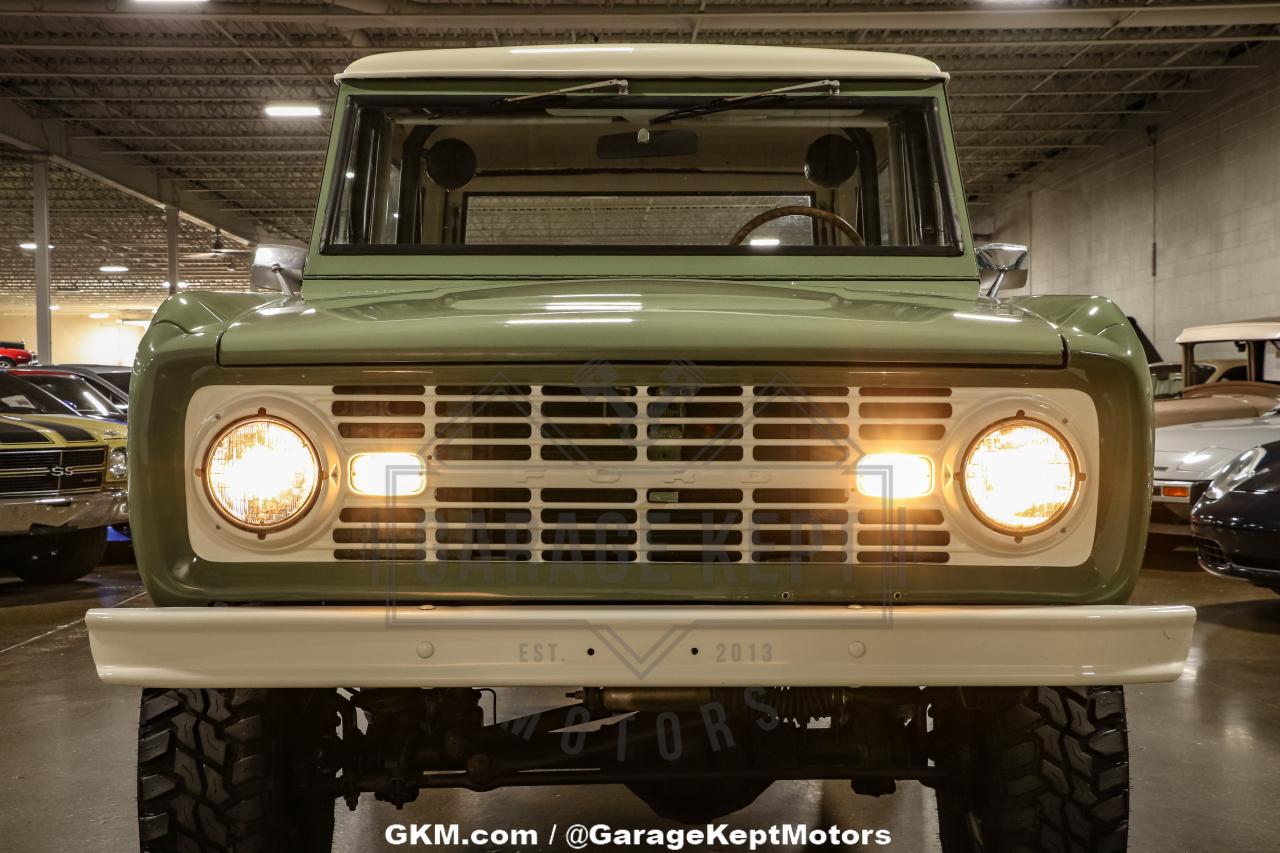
(1000, 266)
(277, 267)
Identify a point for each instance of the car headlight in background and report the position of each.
(388, 474)
(262, 473)
(895, 475)
(118, 463)
(1237, 471)
(1020, 476)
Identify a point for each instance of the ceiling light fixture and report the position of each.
(98, 316)
(113, 268)
(30, 245)
(284, 110)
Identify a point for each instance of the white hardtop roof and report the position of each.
(643, 60)
(1243, 330)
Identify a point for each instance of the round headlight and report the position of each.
(1020, 476)
(262, 473)
(118, 464)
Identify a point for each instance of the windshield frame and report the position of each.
(350, 103)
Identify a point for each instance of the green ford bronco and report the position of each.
(666, 379)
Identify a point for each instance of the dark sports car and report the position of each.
(1237, 523)
(76, 391)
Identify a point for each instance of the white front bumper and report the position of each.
(619, 646)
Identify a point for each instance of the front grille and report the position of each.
(51, 472)
(1211, 553)
(631, 473)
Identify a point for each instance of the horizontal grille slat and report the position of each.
(383, 515)
(378, 408)
(878, 391)
(379, 390)
(903, 557)
(922, 411)
(370, 535)
(902, 432)
(381, 430)
(904, 537)
(639, 473)
(900, 516)
(398, 554)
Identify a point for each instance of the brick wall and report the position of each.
(1205, 187)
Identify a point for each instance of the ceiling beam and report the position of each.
(506, 17)
(349, 51)
(219, 74)
(50, 139)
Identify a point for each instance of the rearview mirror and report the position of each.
(1000, 267)
(646, 143)
(277, 267)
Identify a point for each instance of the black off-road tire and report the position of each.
(236, 771)
(1037, 770)
(54, 557)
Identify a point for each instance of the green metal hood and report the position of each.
(641, 320)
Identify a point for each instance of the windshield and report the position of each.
(803, 174)
(77, 393)
(1252, 361)
(1166, 379)
(23, 398)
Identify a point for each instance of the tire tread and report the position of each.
(205, 774)
(1057, 774)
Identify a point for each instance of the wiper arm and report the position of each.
(619, 87)
(623, 88)
(737, 101)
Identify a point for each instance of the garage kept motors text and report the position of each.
(717, 836)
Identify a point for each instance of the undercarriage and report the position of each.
(1030, 768)
(415, 739)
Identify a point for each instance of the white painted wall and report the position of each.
(1207, 192)
(78, 338)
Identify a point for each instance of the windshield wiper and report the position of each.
(720, 105)
(600, 87)
(623, 88)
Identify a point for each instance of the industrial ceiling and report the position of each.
(165, 99)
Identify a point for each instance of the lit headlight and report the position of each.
(1020, 476)
(388, 474)
(895, 475)
(118, 464)
(261, 473)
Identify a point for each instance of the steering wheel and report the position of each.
(797, 210)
